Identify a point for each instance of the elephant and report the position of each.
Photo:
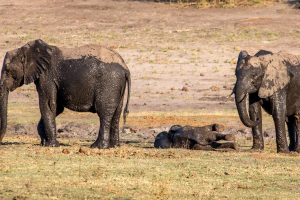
(91, 78)
(271, 81)
(197, 138)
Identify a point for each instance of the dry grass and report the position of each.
(137, 171)
(28, 113)
(219, 3)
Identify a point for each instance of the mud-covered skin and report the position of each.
(94, 82)
(197, 138)
(163, 140)
(272, 82)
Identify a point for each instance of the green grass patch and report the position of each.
(138, 171)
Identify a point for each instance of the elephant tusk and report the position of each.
(230, 95)
(246, 95)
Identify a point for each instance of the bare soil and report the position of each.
(179, 58)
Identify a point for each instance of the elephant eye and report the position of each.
(9, 73)
(13, 73)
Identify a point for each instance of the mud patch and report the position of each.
(102, 53)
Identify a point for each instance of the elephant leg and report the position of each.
(182, 142)
(50, 129)
(278, 101)
(41, 132)
(215, 145)
(107, 105)
(48, 109)
(292, 132)
(41, 127)
(114, 129)
(297, 133)
(105, 113)
(229, 137)
(211, 136)
(203, 147)
(227, 145)
(103, 139)
(255, 113)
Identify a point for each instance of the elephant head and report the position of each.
(264, 73)
(23, 65)
(163, 140)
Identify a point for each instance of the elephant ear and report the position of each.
(262, 53)
(37, 59)
(276, 74)
(243, 54)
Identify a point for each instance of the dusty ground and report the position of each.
(166, 49)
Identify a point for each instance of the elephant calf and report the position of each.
(197, 138)
(91, 78)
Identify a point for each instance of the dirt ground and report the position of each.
(181, 59)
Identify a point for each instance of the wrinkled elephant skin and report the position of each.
(91, 78)
(197, 138)
(271, 81)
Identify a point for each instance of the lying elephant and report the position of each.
(91, 78)
(197, 138)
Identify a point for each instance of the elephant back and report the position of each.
(100, 52)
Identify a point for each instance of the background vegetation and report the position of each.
(217, 3)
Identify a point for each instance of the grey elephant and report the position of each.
(272, 81)
(91, 78)
(197, 138)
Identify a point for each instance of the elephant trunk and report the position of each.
(240, 100)
(3, 110)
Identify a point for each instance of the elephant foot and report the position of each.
(96, 145)
(114, 143)
(99, 146)
(255, 150)
(234, 146)
(230, 137)
(202, 147)
(283, 151)
(42, 142)
(52, 143)
(297, 150)
(292, 148)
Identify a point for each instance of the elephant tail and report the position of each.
(126, 111)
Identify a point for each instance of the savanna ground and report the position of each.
(167, 47)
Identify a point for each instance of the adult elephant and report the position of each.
(272, 82)
(91, 78)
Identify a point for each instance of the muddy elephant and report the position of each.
(197, 138)
(91, 78)
(271, 81)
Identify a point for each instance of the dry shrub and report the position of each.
(84, 151)
(185, 89)
(66, 151)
